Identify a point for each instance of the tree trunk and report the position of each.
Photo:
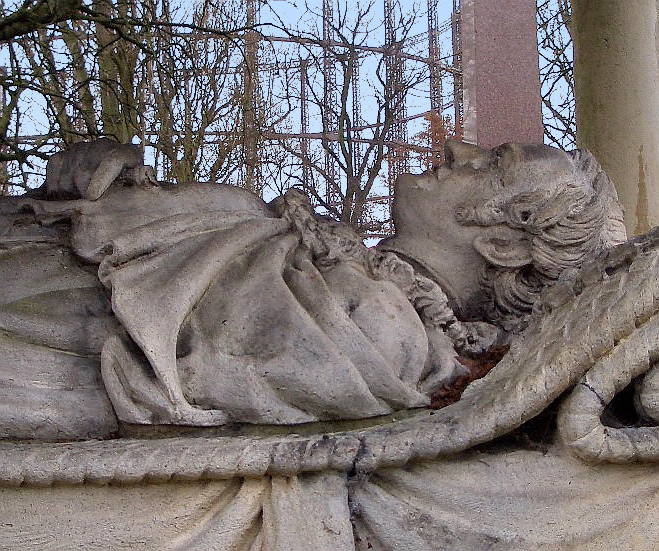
(617, 93)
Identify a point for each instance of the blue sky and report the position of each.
(294, 14)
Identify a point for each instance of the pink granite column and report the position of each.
(501, 78)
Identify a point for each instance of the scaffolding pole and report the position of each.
(304, 124)
(250, 99)
(433, 59)
(356, 110)
(398, 158)
(329, 116)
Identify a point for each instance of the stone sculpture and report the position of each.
(276, 373)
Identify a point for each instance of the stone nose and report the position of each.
(460, 154)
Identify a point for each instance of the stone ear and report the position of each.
(505, 252)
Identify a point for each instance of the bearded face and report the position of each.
(519, 213)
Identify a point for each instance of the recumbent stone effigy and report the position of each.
(251, 376)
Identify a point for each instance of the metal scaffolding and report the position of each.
(328, 114)
(356, 106)
(250, 99)
(304, 123)
(395, 59)
(434, 57)
(398, 159)
(325, 164)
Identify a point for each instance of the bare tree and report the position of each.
(212, 100)
(556, 72)
(340, 175)
(109, 68)
(32, 15)
(192, 92)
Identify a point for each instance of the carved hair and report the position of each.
(561, 229)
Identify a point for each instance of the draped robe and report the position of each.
(221, 306)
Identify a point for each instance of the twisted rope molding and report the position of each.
(575, 325)
(580, 418)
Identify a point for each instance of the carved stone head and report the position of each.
(494, 227)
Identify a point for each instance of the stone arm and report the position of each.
(107, 172)
(87, 169)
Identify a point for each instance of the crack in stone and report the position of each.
(361, 450)
(604, 404)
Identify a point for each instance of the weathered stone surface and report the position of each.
(504, 500)
(273, 514)
(54, 319)
(495, 227)
(232, 310)
(87, 169)
(201, 305)
(617, 82)
(492, 499)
